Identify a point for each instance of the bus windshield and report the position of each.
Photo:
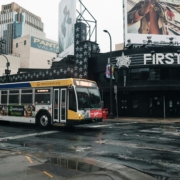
(88, 98)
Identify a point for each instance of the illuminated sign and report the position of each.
(160, 20)
(160, 58)
(44, 44)
(42, 90)
(51, 83)
(85, 83)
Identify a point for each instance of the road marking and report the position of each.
(136, 146)
(158, 162)
(29, 159)
(106, 125)
(48, 174)
(97, 126)
(27, 135)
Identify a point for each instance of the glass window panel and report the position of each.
(56, 102)
(144, 73)
(26, 99)
(72, 100)
(13, 91)
(165, 73)
(175, 73)
(63, 104)
(14, 99)
(3, 92)
(42, 98)
(154, 74)
(3, 99)
(134, 74)
(27, 91)
(135, 104)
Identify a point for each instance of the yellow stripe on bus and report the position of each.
(74, 115)
(51, 83)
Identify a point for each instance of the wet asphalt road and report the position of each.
(150, 148)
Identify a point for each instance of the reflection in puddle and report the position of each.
(75, 164)
(80, 148)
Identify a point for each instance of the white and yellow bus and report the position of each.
(51, 102)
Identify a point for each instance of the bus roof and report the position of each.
(42, 83)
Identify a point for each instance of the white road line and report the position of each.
(106, 125)
(136, 146)
(27, 135)
(97, 126)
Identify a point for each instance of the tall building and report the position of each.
(16, 22)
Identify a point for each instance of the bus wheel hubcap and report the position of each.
(44, 120)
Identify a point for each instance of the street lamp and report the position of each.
(111, 116)
(7, 71)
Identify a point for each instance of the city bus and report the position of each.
(55, 102)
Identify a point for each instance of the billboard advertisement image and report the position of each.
(67, 19)
(159, 19)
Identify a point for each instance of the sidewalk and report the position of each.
(95, 169)
(145, 120)
(23, 165)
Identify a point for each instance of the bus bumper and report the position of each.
(84, 121)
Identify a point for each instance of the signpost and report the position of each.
(115, 92)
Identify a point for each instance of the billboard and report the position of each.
(67, 19)
(159, 19)
(44, 44)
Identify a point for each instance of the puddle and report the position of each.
(75, 165)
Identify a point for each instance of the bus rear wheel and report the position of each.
(44, 120)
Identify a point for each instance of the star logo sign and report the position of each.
(123, 61)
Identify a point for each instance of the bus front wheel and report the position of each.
(44, 120)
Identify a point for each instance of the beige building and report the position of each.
(15, 22)
(34, 52)
(14, 63)
(119, 46)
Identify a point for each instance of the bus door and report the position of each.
(63, 105)
(56, 100)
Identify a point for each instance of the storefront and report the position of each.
(148, 86)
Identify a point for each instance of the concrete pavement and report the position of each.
(18, 165)
(95, 169)
(23, 165)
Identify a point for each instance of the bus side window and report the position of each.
(72, 100)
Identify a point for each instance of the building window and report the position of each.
(135, 104)
(144, 73)
(123, 104)
(175, 73)
(154, 74)
(24, 42)
(165, 73)
(16, 45)
(134, 74)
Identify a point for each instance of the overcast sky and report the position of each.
(108, 14)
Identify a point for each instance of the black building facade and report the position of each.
(148, 87)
